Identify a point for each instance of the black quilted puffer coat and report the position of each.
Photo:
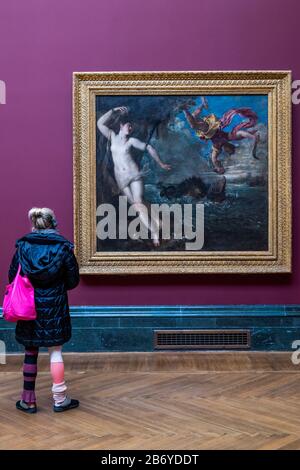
(47, 258)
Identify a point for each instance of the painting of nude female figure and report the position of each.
(185, 150)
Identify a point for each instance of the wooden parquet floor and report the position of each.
(145, 403)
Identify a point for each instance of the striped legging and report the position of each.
(29, 374)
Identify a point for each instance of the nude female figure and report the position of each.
(127, 174)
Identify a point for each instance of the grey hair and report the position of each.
(42, 218)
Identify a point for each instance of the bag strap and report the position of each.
(18, 272)
(19, 269)
(19, 257)
(15, 279)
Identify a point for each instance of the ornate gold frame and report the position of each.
(276, 84)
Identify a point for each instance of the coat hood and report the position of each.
(42, 253)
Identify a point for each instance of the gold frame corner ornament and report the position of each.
(276, 84)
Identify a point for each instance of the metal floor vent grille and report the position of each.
(201, 339)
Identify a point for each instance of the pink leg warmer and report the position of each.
(58, 374)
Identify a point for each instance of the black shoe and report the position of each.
(69, 406)
(22, 405)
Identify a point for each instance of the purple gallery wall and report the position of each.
(43, 41)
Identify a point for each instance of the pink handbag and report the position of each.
(18, 301)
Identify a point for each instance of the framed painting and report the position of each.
(182, 172)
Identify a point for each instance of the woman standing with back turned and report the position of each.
(47, 258)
